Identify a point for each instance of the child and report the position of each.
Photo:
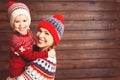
(22, 40)
(48, 36)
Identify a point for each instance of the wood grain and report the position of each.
(90, 46)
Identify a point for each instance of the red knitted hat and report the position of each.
(55, 25)
(15, 9)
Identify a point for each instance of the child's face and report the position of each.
(21, 24)
(44, 38)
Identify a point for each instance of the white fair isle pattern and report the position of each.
(41, 69)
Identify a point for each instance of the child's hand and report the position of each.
(52, 53)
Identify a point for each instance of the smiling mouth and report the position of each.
(41, 40)
(22, 29)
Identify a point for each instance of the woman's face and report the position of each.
(44, 38)
(21, 24)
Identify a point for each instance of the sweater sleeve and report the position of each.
(23, 47)
(32, 55)
(15, 43)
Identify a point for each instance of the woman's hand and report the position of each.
(9, 78)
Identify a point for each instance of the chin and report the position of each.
(23, 33)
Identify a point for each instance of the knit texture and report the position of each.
(17, 63)
(40, 69)
(55, 25)
(21, 52)
(15, 9)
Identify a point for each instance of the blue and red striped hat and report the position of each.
(55, 25)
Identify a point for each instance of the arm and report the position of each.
(32, 55)
(24, 48)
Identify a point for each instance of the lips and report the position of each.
(41, 40)
(22, 29)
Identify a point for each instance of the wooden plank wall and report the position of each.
(90, 46)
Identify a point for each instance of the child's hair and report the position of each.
(15, 9)
(55, 25)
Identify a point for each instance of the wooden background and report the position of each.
(90, 46)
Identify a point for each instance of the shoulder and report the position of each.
(14, 36)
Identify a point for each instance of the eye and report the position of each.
(16, 21)
(40, 30)
(47, 33)
(24, 20)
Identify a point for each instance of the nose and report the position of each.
(41, 34)
(21, 24)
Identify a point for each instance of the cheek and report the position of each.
(15, 25)
(26, 24)
(37, 35)
(15, 28)
(50, 40)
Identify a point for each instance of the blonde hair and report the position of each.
(48, 48)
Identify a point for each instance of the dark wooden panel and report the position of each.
(3, 74)
(56, 5)
(79, 64)
(63, 0)
(88, 54)
(4, 46)
(87, 73)
(78, 15)
(5, 25)
(89, 44)
(96, 74)
(83, 44)
(90, 63)
(118, 1)
(77, 35)
(4, 55)
(103, 78)
(77, 54)
(72, 0)
(3, 4)
(72, 6)
(91, 25)
(5, 35)
(4, 16)
(73, 25)
(4, 65)
(86, 25)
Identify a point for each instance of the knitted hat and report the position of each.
(15, 9)
(55, 25)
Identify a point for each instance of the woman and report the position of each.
(49, 33)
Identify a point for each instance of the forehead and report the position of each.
(21, 16)
(44, 29)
